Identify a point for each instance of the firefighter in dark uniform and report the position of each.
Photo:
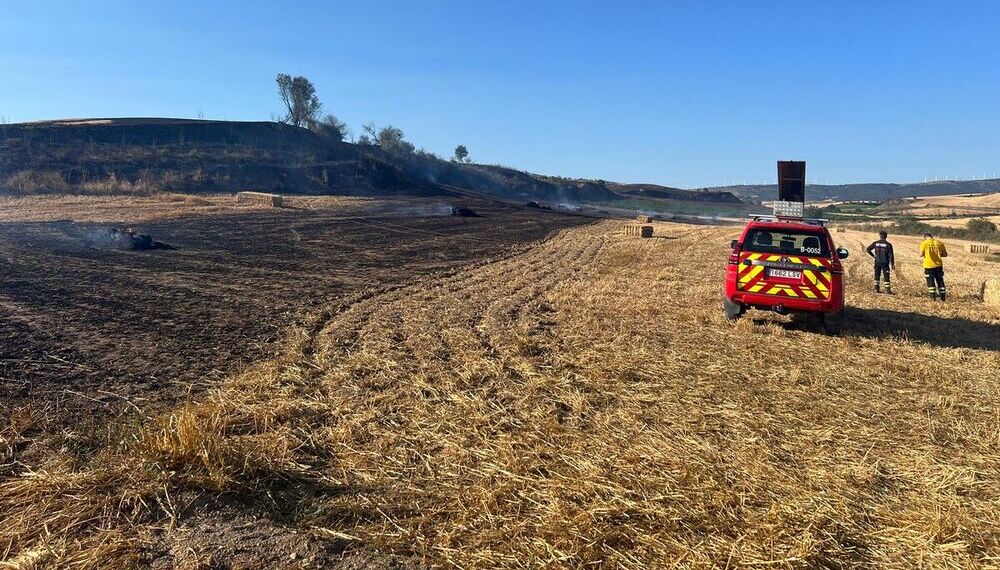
(881, 251)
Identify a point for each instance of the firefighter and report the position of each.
(881, 252)
(932, 251)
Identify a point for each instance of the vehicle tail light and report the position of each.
(734, 258)
(837, 268)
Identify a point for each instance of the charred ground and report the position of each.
(92, 328)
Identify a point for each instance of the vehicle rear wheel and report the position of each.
(732, 310)
(833, 323)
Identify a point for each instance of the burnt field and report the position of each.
(89, 329)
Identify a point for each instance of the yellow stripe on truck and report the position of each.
(779, 289)
(749, 275)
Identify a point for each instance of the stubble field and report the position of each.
(580, 402)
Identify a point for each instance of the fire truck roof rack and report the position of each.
(773, 218)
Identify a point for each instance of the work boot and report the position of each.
(878, 289)
(888, 290)
(942, 296)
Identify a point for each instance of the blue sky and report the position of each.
(688, 94)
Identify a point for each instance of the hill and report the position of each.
(124, 155)
(137, 155)
(874, 191)
(130, 155)
(983, 201)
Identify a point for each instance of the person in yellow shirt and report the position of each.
(932, 251)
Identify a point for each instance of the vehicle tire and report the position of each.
(732, 310)
(833, 323)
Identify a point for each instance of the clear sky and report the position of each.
(689, 93)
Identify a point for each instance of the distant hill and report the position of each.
(874, 191)
(667, 193)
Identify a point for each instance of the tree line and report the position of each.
(304, 109)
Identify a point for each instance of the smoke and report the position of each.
(105, 238)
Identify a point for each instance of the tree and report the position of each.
(301, 103)
(331, 127)
(392, 139)
(388, 138)
(461, 154)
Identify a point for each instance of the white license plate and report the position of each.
(784, 274)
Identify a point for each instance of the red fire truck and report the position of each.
(786, 263)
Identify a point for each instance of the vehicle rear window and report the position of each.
(760, 240)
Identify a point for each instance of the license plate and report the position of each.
(784, 274)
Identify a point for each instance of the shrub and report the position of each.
(981, 226)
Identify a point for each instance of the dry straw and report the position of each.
(583, 403)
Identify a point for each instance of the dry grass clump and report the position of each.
(72, 518)
(26, 182)
(113, 185)
(32, 182)
(184, 198)
(586, 403)
(147, 183)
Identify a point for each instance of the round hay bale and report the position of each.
(991, 292)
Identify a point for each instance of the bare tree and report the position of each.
(299, 96)
(369, 132)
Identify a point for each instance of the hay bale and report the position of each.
(636, 230)
(841, 230)
(977, 248)
(991, 292)
(644, 219)
(259, 199)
